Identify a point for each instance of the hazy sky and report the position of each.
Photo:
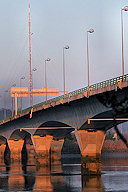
(54, 24)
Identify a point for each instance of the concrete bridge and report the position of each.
(50, 123)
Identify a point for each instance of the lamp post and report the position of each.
(123, 9)
(30, 60)
(12, 99)
(48, 59)
(22, 78)
(0, 97)
(34, 69)
(1, 106)
(89, 31)
(5, 105)
(66, 47)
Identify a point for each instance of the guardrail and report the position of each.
(82, 90)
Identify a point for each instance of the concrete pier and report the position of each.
(2, 149)
(42, 147)
(56, 147)
(91, 143)
(30, 154)
(15, 147)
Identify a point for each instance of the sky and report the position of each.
(54, 24)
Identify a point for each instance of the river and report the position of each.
(65, 176)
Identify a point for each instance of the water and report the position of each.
(66, 176)
(115, 172)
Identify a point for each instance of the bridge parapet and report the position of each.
(93, 87)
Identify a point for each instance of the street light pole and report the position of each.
(5, 105)
(12, 106)
(90, 31)
(12, 99)
(46, 77)
(1, 97)
(122, 44)
(123, 9)
(22, 78)
(4, 108)
(88, 60)
(1, 105)
(66, 47)
(30, 69)
(34, 69)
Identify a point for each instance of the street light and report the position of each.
(66, 47)
(34, 69)
(90, 31)
(12, 99)
(123, 9)
(48, 59)
(1, 97)
(22, 78)
(6, 91)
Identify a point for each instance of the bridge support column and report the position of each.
(15, 147)
(2, 149)
(90, 145)
(30, 154)
(56, 147)
(42, 148)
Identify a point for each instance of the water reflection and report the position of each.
(115, 172)
(92, 184)
(57, 177)
(4, 178)
(29, 178)
(65, 176)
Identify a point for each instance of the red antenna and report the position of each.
(30, 68)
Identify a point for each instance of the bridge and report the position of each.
(89, 113)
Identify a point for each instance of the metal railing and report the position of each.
(82, 90)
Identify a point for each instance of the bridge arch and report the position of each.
(103, 125)
(54, 128)
(19, 134)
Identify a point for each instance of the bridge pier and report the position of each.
(2, 149)
(56, 147)
(15, 147)
(30, 154)
(42, 148)
(90, 143)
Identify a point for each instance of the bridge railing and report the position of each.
(96, 86)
